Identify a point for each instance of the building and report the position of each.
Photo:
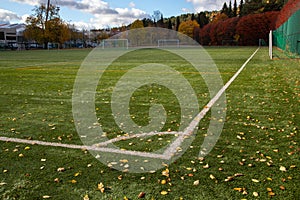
(11, 35)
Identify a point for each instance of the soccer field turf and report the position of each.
(256, 154)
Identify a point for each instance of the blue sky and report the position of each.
(105, 13)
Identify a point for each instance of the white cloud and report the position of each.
(206, 5)
(124, 16)
(186, 10)
(132, 4)
(103, 14)
(7, 16)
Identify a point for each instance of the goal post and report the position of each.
(115, 43)
(168, 43)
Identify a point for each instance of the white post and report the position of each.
(271, 45)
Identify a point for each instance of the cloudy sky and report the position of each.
(105, 13)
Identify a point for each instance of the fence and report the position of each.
(287, 36)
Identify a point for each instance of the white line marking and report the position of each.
(169, 152)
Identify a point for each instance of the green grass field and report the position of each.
(256, 157)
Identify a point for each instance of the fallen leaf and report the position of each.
(124, 161)
(166, 172)
(21, 155)
(141, 195)
(196, 182)
(2, 183)
(238, 174)
(27, 148)
(46, 197)
(73, 181)
(238, 189)
(86, 197)
(206, 166)
(77, 174)
(101, 187)
(271, 194)
(282, 168)
(229, 178)
(163, 192)
(255, 180)
(212, 177)
(60, 169)
(163, 182)
(255, 194)
(282, 187)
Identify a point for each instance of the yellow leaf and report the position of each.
(212, 177)
(163, 182)
(282, 168)
(77, 174)
(27, 148)
(163, 192)
(101, 187)
(255, 194)
(124, 161)
(86, 197)
(238, 189)
(73, 181)
(255, 180)
(196, 182)
(269, 189)
(166, 172)
(271, 194)
(46, 197)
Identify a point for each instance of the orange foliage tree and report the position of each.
(188, 27)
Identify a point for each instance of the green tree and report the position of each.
(235, 8)
(225, 9)
(202, 19)
(241, 8)
(230, 12)
(170, 25)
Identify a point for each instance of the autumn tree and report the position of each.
(188, 28)
(137, 36)
(45, 25)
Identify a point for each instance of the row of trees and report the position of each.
(246, 30)
(233, 24)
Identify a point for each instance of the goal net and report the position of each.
(115, 43)
(168, 43)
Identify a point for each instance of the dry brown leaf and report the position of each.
(141, 195)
